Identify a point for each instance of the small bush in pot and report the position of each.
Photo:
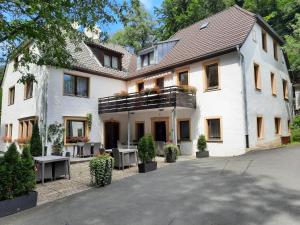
(146, 152)
(17, 181)
(171, 152)
(101, 170)
(201, 145)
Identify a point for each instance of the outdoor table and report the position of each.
(52, 159)
(124, 151)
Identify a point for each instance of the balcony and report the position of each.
(172, 96)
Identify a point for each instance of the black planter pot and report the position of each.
(147, 167)
(202, 154)
(11, 206)
(57, 153)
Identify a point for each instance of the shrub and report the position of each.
(201, 144)
(36, 147)
(188, 89)
(295, 135)
(101, 170)
(171, 152)
(296, 123)
(28, 178)
(146, 148)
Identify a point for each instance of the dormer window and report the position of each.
(111, 61)
(147, 59)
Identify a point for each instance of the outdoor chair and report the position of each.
(60, 169)
(86, 151)
(160, 148)
(129, 158)
(48, 172)
(97, 146)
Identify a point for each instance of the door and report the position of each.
(111, 133)
(160, 133)
(140, 130)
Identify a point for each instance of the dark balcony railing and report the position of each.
(167, 97)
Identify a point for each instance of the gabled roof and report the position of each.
(225, 31)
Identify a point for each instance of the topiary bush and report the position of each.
(201, 143)
(17, 174)
(101, 170)
(36, 147)
(171, 152)
(146, 148)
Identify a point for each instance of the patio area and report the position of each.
(80, 179)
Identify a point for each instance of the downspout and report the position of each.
(244, 93)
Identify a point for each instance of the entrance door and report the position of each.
(160, 133)
(111, 133)
(140, 130)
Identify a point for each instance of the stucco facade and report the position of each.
(236, 102)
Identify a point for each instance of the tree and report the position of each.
(36, 146)
(292, 46)
(28, 173)
(174, 15)
(47, 25)
(138, 31)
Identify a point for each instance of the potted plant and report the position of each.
(149, 91)
(146, 152)
(17, 181)
(55, 136)
(122, 94)
(201, 145)
(171, 152)
(188, 89)
(101, 170)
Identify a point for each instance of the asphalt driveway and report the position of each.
(259, 188)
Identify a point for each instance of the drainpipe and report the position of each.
(245, 103)
(128, 130)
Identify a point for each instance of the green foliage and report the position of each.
(48, 24)
(89, 120)
(36, 146)
(28, 178)
(138, 31)
(17, 175)
(295, 129)
(146, 148)
(171, 152)
(55, 136)
(101, 170)
(201, 143)
(292, 46)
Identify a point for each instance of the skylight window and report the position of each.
(204, 25)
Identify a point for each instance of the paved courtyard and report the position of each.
(259, 188)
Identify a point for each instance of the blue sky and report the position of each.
(149, 5)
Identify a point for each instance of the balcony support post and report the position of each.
(128, 130)
(174, 126)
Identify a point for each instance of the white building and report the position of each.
(243, 96)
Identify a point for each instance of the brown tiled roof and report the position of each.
(225, 31)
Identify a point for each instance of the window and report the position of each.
(277, 121)
(184, 130)
(183, 78)
(264, 40)
(160, 82)
(11, 96)
(273, 84)
(140, 86)
(212, 77)
(10, 130)
(257, 80)
(111, 61)
(75, 85)
(275, 50)
(285, 89)
(259, 126)
(6, 130)
(25, 129)
(214, 129)
(28, 89)
(75, 130)
(147, 59)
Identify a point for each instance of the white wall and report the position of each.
(262, 102)
(60, 105)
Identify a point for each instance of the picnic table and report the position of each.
(59, 164)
